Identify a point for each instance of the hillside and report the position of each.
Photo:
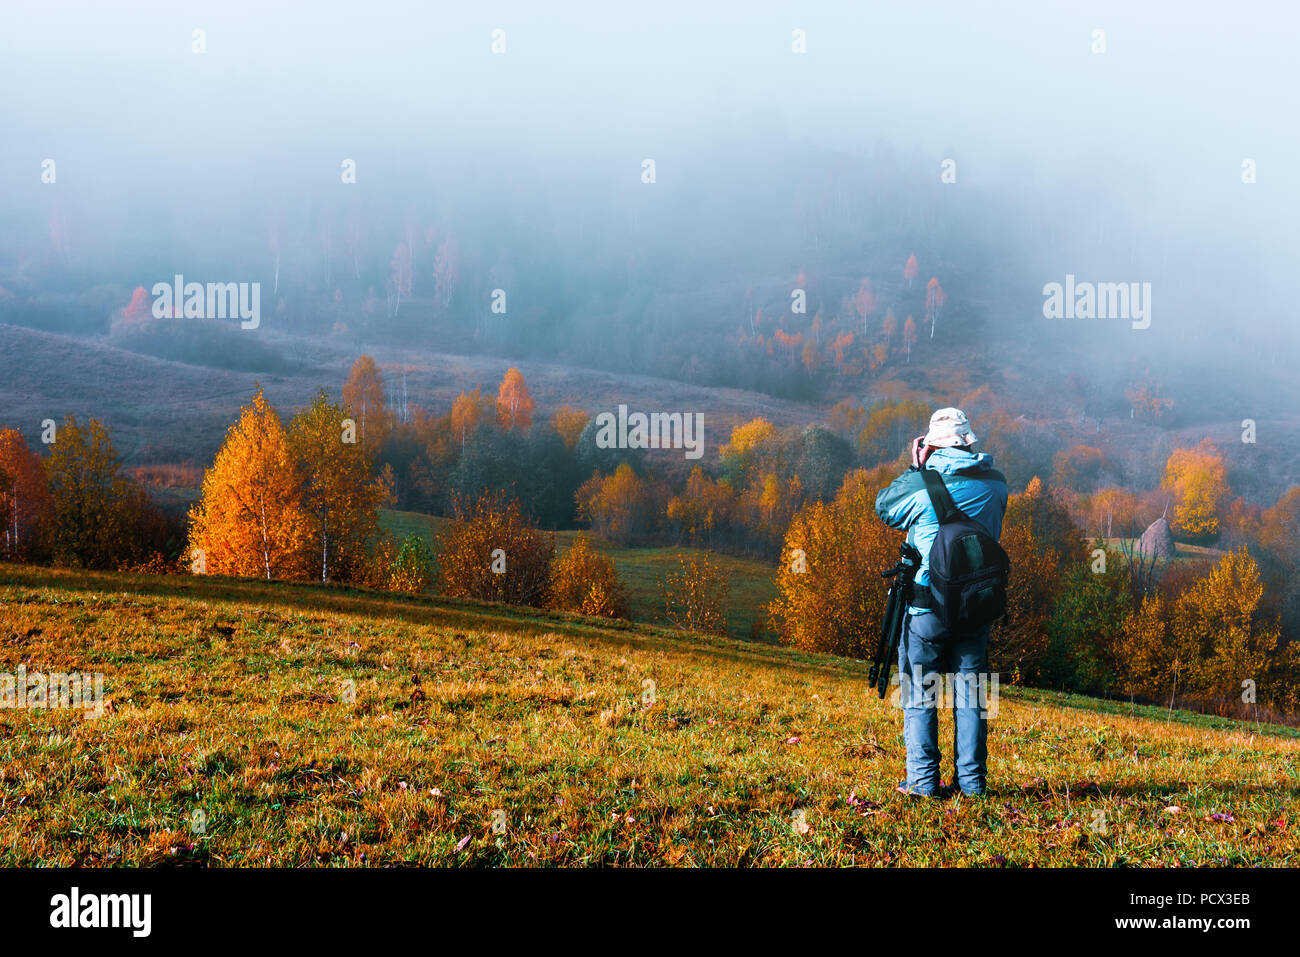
(166, 411)
(485, 735)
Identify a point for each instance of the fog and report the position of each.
(1123, 165)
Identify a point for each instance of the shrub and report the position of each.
(491, 553)
(694, 595)
(411, 568)
(585, 580)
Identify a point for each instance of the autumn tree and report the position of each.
(1043, 544)
(1226, 641)
(1198, 479)
(251, 518)
(491, 553)
(620, 507)
(910, 270)
(25, 503)
(95, 510)
(585, 580)
(1147, 399)
(1042, 509)
(339, 495)
(701, 509)
(1079, 467)
(846, 417)
(514, 403)
(742, 451)
(695, 595)
(888, 428)
(1111, 511)
(1208, 644)
(400, 274)
(909, 336)
(829, 591)
(363, 397)
(934, 300)
(864, 302)
(468, 412)
(569, 421)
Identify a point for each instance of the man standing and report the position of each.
(928, 650)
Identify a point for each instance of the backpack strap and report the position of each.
(940, 498)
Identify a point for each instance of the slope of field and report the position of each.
(481, 735)
(751, 583)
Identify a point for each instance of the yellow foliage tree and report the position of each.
(340, 497)
(1218, 624)
(569, 421)
(702, 508)
(830, 596)
(745, 438)
(1198, 478)
(468, 411)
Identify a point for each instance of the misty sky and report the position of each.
(1147, 138)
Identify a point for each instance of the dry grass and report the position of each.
(227, 697)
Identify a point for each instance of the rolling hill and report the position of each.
(252, 723)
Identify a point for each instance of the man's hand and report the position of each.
(920, 451)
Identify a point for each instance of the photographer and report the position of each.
(950, 502)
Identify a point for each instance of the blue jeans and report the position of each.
(935, 668)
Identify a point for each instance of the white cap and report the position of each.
(949, 427)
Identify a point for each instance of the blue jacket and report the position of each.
(976, 487)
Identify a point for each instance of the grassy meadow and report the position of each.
(485, 735)
(641, 569)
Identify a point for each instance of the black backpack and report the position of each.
(968, 568)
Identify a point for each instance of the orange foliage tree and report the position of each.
(934, 300)
(251, 519)
(619, 507)
(829, 592)
(492, 553)
(910, 270)
(25, 502)
(514, 402)
(363, 397)
(468, 411)
(586, 581)
(702, 508)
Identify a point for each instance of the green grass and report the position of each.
(640, 569)
(227, 697)
(1182, 550)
